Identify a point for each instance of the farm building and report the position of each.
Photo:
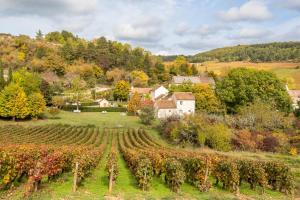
(158, 92)
(177, 80)
(103, 103)
(180, 103)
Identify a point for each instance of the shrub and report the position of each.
(58, 101)
(218, 137)
(147, 115)
(261, 116)
(243, 140)
(270, 144)
(174, 174)
(53, 111)
(293, 151)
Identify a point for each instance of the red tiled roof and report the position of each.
(184, 96)
(165, 104)
(141, 90)
(147, 103)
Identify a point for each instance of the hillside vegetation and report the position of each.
(59, 54)
(287, 71)
(270, 52)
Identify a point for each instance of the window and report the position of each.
(181, 102)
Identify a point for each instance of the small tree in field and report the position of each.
(53, 111)
(58, 101)
(78, 85)
(147, 115)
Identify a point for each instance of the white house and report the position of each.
(159, 92)
(103, 103)
(180, 103)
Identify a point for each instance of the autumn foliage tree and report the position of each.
(139, 78)
(13, 102)
(121, 90)
(134, 104)
(37, 104)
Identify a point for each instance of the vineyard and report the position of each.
(39, 153)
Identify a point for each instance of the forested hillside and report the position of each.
(271, 52)
(59, 54)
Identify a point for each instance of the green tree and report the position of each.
(58, 101)
(14, 102)
(30, 82)
(147, 115)
(242, 86)
(39, 35)
(206, 99)
(217, 136)
(121, 90)
(37, 104)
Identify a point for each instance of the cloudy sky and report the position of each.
(161, 26)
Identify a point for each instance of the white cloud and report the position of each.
(182, 29)
(251, 33)
(204, 30)
(144, 30)
(254, 10)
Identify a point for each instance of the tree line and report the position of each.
(63, 53)
(270, 52)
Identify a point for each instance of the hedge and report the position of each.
(94, 109)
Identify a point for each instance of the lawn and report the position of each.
(111, 119)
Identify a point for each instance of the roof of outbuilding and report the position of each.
(141, 90)
(193, 79)
(165, 104)
(184, 96)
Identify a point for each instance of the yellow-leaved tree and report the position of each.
(37, 104)
(134, 104)
(14, 102)
(139, 78)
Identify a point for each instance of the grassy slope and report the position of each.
(95, 187)
(282, 70)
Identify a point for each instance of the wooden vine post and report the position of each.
(75, 177)
(111, 175)
(206, 170)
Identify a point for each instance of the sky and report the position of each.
(163, 27)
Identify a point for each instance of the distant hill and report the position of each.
(270, 52)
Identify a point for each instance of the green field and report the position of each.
(112, 119)
(96, 185)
